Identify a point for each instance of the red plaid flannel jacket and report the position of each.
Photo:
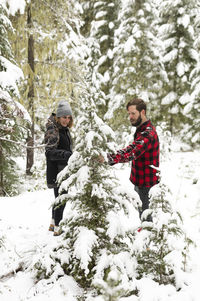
(143, 152)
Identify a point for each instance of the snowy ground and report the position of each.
(24, 221)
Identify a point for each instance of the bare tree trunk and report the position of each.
(1, 172)
(30, 139)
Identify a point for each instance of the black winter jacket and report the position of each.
(58, 149)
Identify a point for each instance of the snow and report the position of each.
(83, 247)
(129, 45)
(182, 68)
(6, 80)
(24, 221)
(169, 98)
(184, 20)
(14, 5)
(170, 56)
(89, 138)
(18, 109)
(185, 98)
(82, 176)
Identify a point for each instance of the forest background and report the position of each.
(51, 50)
(98, 55)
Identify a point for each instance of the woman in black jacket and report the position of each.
(58, 150)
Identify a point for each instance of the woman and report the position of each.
(58, 150)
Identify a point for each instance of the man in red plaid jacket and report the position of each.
(143, 152)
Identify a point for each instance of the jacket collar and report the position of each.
(143, 126)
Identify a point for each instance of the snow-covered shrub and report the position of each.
(160, 248)
(112, 287)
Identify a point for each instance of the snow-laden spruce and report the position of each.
(136, 62)
(12, 113)
(96, 230)
(99, 213)
(162, 250)
(180, 57)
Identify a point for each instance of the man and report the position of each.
(143, 152)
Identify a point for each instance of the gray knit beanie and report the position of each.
(63, 109)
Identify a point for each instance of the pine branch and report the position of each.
(21, 144)
(12, 273)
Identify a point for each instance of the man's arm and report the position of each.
(132, 151)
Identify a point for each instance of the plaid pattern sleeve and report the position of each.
(143, 152)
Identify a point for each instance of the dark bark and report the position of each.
(31, 63)
(1, 172)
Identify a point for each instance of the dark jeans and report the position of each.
(143, 193)
(57, 210)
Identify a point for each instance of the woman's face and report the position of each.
(65, 120)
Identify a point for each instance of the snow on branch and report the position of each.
(22, 144)
(16, 107)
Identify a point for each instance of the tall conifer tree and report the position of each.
(179, 57)
(100, 22)
(95, 229)
(137, 68)
(10, 130)
(157, 259)
(192, 108)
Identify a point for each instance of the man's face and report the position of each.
(134, 116)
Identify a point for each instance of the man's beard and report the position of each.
(138, 121)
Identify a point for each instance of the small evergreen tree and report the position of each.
(160, 243)
(112, 287)
(95, 229)
(93, 235)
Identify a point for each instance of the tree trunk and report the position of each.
(30, 139)
(1, 172)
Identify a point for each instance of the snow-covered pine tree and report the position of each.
(176, 31)
(5, 25)
(191, 131)
(137, 68)
(111, 288)
(161, 251)
(100, 21)
(192, 109)
(10, 112)
(98, 211)
(93, 233)
(13, 119)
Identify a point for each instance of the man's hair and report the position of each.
(139, 103)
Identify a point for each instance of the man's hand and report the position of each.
(101, 159)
